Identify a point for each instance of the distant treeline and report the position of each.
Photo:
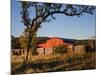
(15, 44)
(88, 43)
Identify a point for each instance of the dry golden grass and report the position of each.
(55, 62)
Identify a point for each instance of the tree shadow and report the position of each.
(21, 69)
(35, 67)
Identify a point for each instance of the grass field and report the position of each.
(52, 63)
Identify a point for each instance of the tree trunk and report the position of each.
(31, 32)
(26, 58)
(28, 47)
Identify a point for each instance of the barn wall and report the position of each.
(18, 51)
(79, 49)
(40, 51)
(48, 51)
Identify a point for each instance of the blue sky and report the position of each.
(64, 26)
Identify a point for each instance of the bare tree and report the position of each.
(44, 10)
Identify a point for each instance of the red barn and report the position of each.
(47, 48)
(52, 42)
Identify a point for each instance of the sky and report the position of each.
(64, 26)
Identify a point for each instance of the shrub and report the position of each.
(60, 49)
(34, 50)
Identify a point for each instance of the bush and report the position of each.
(60, 49)
(34, 50)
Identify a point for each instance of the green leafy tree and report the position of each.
(91, 45)
(44, 10)
(14, 43)
(23, 41)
